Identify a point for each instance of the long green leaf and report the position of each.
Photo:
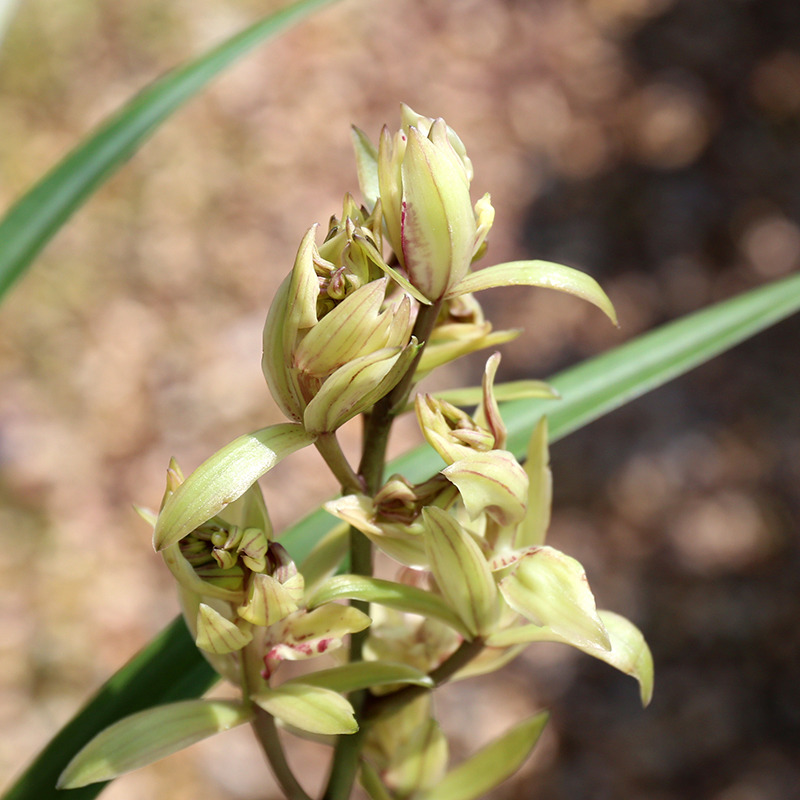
(588, 391)
(167, 670)
(37, 216)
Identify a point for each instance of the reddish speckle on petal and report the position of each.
(323, 645)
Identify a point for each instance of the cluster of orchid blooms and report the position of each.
(386, 298)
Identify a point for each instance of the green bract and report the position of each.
(149, 736)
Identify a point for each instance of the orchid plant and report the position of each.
(368, 310)
(386, 298)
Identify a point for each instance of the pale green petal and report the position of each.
(189, 580)
(224, 477)
(390, 181)
(387, 593)
(356, 387)
(217, 634)
(148, 736)
(396, 276)
(363, 675)
(225, 664)
(493, 482)
(435, 418)
(439, 352)
(301, 305)
(550, 588)
(267, 602)
(461, 571)
(490, 766)
(352, 329)
(309, 708)
(330, 621)
(537, 273)
(484, 216)
(282, 384)
(399, 542)
(438, 224)
(534, 527)
(629, 652)
(424, 124)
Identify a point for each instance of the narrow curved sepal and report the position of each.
(460, 340)
(629, 652)
(533, 529)
(490, 766)
(503, 392)
(398, 596)
(366, 166)
(149, 736)
(224, 477)
(544, 274)
(309, 708)
(363, 675)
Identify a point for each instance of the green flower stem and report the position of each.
(267, 735)
(266, 732)
(377, 426)
(378, 423)
(328, 447)
(385, 705)
(370, 708)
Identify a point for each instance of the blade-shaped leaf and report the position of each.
(149, 736)
(362, 675)
(37, 216)
(490, 766)
(171, 667)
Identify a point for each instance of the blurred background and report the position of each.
(653, 143)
